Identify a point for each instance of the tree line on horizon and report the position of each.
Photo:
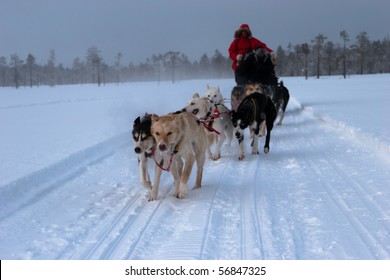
(317, 58)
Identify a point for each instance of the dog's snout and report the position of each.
(137, 150)
(162, 147)
(184, 110)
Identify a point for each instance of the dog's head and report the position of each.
(238, 92)
(240, 119)
(143, 139)
(167, 131)
(214, 95)
(252, 88)
(237, 96)
(199, 106)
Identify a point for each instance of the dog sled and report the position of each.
(258, 68)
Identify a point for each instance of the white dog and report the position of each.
(215, 118)
(214, 95)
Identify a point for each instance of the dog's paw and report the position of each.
(255, 152)
(215, 157)
(266, 150)
(152, 198)
(180, 195)
(241, 157)
(196, 187)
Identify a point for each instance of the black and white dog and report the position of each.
(256, 111)
(144, 146)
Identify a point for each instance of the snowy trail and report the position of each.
(321, 193)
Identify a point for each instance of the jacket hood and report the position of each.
(243, 27)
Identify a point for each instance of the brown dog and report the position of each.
(181, 140)
(252, 88)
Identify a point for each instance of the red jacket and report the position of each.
(241, 45)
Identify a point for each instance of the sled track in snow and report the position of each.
(18, 194)
(209, 213)
(373, 244)
(109, 237)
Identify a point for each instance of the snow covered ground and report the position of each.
(70, 189)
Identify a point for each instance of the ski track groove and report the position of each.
(359, 227)
(102, 237)
(126, 230)
(51, 178)
(209, 213)
(256, 208)
(251, 242)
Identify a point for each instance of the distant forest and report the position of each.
(317, 58)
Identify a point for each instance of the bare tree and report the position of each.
(30, 62)
(157, 64)
(118, 58)
(15, 65)
(171, 60)
(281, 61)
(362, 48)
(95, 60)
(344, 35)
(330, 61)
(218, 63)
(3, 71)
(51, 69)
(318, 43)
(305, 50)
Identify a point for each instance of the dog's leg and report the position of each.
(156, 183)
(281, 119)
(229, 133)
(200, 157)
(255, 144)
(217, 153)
(286, 97)
(263, 126)
(210, 140)
(181, 191)
(144, 174)
(177, 165)
(270, 124)
(240, 138)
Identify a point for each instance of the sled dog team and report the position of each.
(177, 141)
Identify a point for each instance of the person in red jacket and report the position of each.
(243, 44)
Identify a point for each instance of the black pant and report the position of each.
(240, 78)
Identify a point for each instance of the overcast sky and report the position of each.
(141, 28)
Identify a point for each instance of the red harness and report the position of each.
(168, 169)
(208, 121)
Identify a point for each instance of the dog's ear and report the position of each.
(137, 120)
(196, 95)
(155, 118)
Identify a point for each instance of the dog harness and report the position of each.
(160, 164)
(208, 120)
